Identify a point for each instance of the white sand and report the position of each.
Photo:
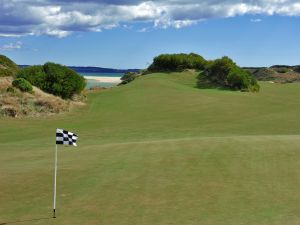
(104, 79)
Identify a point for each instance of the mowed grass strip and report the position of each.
(204, 181)
(159, 151)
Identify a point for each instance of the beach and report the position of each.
(104, 79)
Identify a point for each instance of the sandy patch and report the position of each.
(104, 79)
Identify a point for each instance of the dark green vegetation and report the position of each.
(159, 151)
(128, 77)
(177, 62)
(54, 78)
(297, 69)
(220, 73)
(226, 74)
(22, 84)
(7, 67)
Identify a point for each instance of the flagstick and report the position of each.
(55, 171)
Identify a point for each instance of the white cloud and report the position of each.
(12, 46)
(62, 17)
(143, 30)
(255, 20)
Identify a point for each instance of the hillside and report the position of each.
(276, 73)
(14, 103)
(7, 67)
(159, 151)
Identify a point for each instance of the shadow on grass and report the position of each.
(23, 221)
(204, 83)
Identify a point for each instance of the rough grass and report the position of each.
(279, 75)
(15, 103)
(159, 151)
(7, 67)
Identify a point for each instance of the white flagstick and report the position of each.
(55, 171)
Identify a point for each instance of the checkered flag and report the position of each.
(64, 137)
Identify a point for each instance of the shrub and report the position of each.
(297, 69)
(62, 81)
(128, 77)
(282, 70)
(10, 90)
(177, 62)
(240, 79)
(22, 84)
(9, 111)
(34, 74)
(7, 67)
(55, 79)
(225, 73)
(218, 70)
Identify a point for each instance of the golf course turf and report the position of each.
(159, 151)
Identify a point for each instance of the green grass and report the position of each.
(159, 151)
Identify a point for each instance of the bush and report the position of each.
(128, 77)
(62, 81)
(10, 90)
(177, 62)
(7, 67)
(282, 70)
(225, 73)
(34, 74)
(297, 69)
(22, 84)
(240, 79)
(9, 111)
(218, 70)
(55, 79)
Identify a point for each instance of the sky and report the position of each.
(128, 34)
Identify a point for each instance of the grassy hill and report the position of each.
(277, 73)
(7, 67)
(159, 151)
(18, 96)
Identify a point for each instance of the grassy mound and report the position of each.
(7, 67)
(159, 151)
(220, 73)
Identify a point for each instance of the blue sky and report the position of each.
(250, 35)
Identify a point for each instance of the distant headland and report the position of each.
(92, 69)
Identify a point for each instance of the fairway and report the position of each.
(159, 151)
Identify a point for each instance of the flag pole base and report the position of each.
(54, 213)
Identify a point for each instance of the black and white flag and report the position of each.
(64, 137)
